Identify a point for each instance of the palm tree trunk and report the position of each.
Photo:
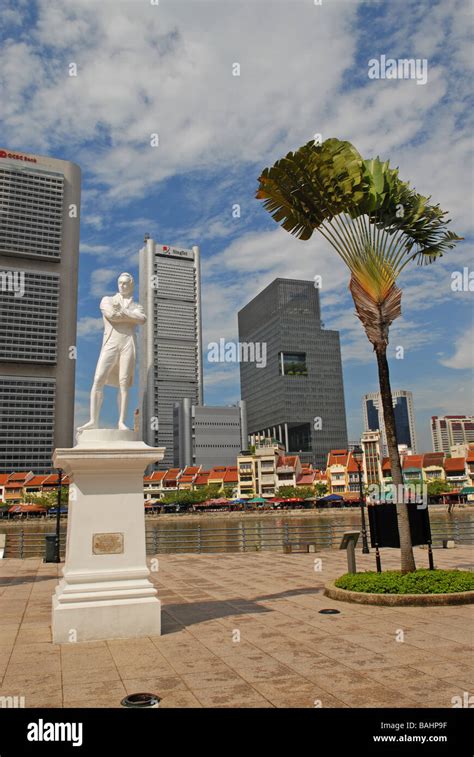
(406, 549)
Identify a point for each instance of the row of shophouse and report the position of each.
(456, 472)
(265, 469)
(18, 487)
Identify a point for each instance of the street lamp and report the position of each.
(358, 455)
(57, 549)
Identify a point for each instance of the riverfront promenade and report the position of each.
(288, 655)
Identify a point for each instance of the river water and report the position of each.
(214, 532)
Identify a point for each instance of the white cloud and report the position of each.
(88, 327)
(81, 408)
(168, 70)
(101, 279)
(93, 249)
(96, 221)
(463, 357)
(231, 278)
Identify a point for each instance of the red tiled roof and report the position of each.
(231, 475)
(470, 457)
(413, 461)
(4, 478)
(352, 465)
(337, 457)
(36, 481)
(171, 474)
(19, 476)
(52, 480)
(202, 477)
(185, 479)
(217, 475)
(290, 460)
(306, 479)
(156, 476)
(433, 458)
(454, 463)
(191, 470)
(386, 464)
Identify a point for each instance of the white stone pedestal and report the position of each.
(106, 592)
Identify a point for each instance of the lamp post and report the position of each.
(358, 455)
(57, 550)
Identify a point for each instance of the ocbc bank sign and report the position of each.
(17, 156)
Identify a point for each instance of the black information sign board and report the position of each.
(384, 527)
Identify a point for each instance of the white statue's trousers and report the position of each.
(119, 350)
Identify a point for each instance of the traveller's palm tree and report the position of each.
(377, 224)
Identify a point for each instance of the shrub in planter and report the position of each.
(417, 582)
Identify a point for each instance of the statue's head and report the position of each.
(125, 284)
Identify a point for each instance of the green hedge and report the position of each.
(418, 582)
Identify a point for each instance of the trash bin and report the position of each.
(50, 548)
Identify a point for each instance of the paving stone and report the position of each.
(288, 654)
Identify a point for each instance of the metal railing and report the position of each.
(244, 537)
(462, 532)
(22, 544)
(251, 538)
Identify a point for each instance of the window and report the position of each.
(293, 364)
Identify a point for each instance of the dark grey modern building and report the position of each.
(170, 341)
(39, 249)
(208, 436)
(298, 395)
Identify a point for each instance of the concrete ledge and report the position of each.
(398, 600)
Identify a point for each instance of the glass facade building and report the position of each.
(297, 397)
(404, 417)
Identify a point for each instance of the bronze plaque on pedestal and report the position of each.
(107, 544)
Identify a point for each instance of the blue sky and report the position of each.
(167, 69)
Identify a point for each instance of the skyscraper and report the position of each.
(448, 430)
(39, 248)
(208, 436)
(404, 417)
(296, 395)
(170, 341)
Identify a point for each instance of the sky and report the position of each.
(167, 68)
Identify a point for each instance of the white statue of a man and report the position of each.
(116, 364)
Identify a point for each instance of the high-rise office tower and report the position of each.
(404, 417)
(170, 341)
(294, 391)
(449, 430)
(39, 248)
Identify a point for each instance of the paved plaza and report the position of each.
(243, 630)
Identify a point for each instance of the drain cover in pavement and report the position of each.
(141, 700)
(329, 612)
